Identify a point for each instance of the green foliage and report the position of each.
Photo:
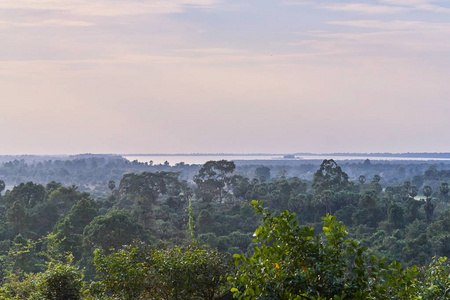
(27, 194)
(63, 198)
(188, 273)
(113, 230)
(121, 273)
(389, 222)
(70, 229)
(135, 272)
(214, 179)
(61, 281)
(291, 262)
(150, 185)
(436, 284)
(22, 257)
(17, 287)
(191, 222)
(111, 185)
(330, 177)
(262, 173)
(2, 185)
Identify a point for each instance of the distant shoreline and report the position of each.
(362, 155)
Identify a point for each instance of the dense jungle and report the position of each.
(102, 227)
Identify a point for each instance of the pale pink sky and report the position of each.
(186, 76)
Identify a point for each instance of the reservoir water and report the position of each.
(201, 159)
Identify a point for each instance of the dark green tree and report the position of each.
(413, 191)
(2, 185)
(429, 209)
(427, 191)
(376, 178)
(111, 185)
(140, 272)
(150, 185)
(61, 281)
(330, 177)
(113, 230)
(63, 198)
(444, 189)
(368, 212)
(396, 216)
(262, 173)
(213, 180)
(69, 230)
(27, 194)
(17, 218)
(362, 179)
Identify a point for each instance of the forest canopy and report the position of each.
(247, 231)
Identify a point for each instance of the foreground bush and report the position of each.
(135, 272)
(292, 263)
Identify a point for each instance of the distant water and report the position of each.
(197, 160)
(201, 159)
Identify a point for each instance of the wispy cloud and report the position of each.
(51, 22)
(394, 25)
(392, 44)
(107, 7)
(297, 3)
(424, 5)
(213, 51)
(389, 6)
(406, 2)
(365, 8)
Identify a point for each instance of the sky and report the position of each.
(224, 76)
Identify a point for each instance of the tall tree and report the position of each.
(330, 177)
(2, 185)
(28, 194)
(150, 185)
(427, 191)
(213, 180)
(362, 179)
(262, 173)
(111, 184)
(112, 230)
(444, 189)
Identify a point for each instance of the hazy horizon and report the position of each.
(239, 154)
(212, 76)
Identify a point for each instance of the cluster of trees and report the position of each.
(289, 262)
(181, 235)
(91, 172)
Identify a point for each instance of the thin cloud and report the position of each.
(108, 8)
(389, 7)
(297, 3)
(394, 25)
(399, 44)
(406, 2)
(58, 22)
(433, 8)
(423, 5)
(217, 51)
(365, 8)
